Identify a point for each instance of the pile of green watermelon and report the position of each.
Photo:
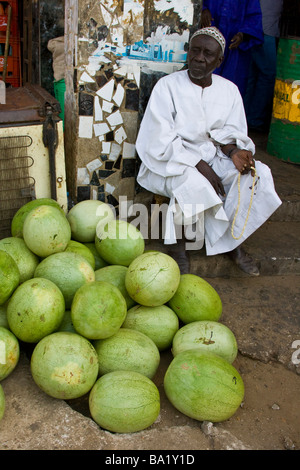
(98, 310)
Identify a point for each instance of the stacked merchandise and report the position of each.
(10, 38)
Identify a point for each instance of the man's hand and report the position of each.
(236, 41)
(211, 176)
(243, 161)
(206, 18)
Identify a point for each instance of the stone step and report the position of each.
(286, 180)
(289, 210)
(275, 247)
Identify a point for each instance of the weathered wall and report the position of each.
(123, 47)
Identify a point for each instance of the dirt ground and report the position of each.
(262, 312)
(268, 418)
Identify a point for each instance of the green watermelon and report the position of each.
(3, 316)
(124, 402)
(159, 323)
(9, 352)
(68, 271)
(67, 324)
(19, 217)
(35, 310)
(84, 218)
(203, 386)
(206, 336)
(46, 230)
(196, 300)
(64, 365)
(82, 250)
(2, 402)
(119, 242)
(22, 255)
(152, 278)
(99, 262)
(115, 274)
(98, 310)
(9, 276)
(128, 350)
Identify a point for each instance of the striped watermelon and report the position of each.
(203, 386)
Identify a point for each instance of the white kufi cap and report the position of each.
(214, 33)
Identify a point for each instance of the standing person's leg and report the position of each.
(259, 100)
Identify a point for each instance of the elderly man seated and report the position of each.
(194, 149)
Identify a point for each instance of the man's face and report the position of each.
(204, 56)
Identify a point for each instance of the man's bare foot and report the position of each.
(244, 261)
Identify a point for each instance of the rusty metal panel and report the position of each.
(26, 105)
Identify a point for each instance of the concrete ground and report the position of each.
(262, 312)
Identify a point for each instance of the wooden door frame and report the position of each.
(30, 42)
(71, 106)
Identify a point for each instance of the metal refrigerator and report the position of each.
(32, 159)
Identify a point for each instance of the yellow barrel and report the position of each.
(284, 135)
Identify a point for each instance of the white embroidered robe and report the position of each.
(183, 124)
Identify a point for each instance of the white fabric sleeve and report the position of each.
(235, 130)
(158, 144)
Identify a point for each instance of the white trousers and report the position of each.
(193, 200)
